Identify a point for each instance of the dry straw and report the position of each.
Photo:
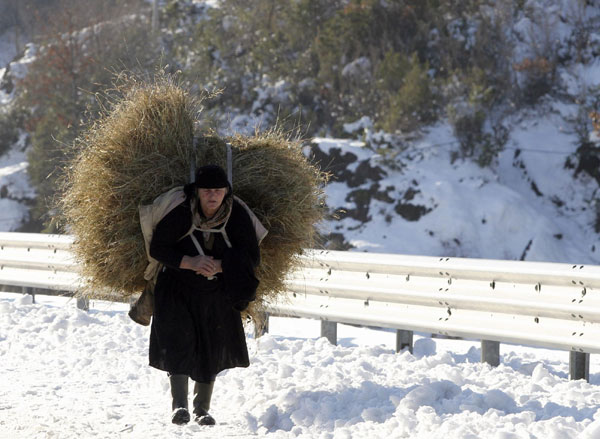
(141, 146)
(273, 177)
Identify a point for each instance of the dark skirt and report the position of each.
(195, 332)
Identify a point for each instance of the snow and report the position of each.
(7, 46)
(70, 374)
(360, 68)
(364, 123)
(268, 95)
(14, 188)
(19, 67)
(581, 78)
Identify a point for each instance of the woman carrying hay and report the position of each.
(196, 330)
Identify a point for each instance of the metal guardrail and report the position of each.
(37, 260)
(538, 304)
(543, 304)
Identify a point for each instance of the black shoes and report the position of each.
(204, 418)
(180, 416)
(179, 391)
(202, 395)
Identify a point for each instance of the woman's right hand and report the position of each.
(201, 264)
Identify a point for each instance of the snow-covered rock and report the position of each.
(526, 206)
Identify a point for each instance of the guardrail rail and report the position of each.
(531, 303)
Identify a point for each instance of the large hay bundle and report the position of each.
(273, 177)
(141, 147)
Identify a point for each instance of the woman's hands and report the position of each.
(201, 264)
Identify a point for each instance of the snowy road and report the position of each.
(71, 374)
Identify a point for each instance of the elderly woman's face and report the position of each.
(211, 200)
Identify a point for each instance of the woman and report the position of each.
(196, 329)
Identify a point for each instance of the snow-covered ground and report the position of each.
(67, 373)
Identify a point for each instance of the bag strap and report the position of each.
(230, 179)
(197, 245)
(222, 231)
(229, 164)
(193, 159)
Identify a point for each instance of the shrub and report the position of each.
(11, 124)
(537, 78)
(391, 71)
(475, 141)
(414, 103)
(59, 87)
(468, 128)
(47, 157)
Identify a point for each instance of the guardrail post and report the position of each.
(29, 290)
(579, 366)
(490, 352)
(261, 327)
(329, 331)
(83, 303)
(404, 339)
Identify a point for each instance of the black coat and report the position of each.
(196, 328)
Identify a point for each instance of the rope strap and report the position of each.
(229, 164)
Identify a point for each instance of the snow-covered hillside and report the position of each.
(526, 206)
(536, 201)
(530, 203)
